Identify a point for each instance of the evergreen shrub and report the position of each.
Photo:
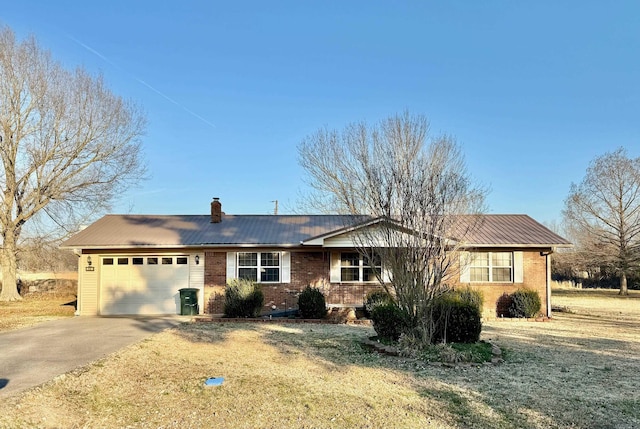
(374, 299)
(388, 321)
(312, 304)
(457, 316)
(243, 298)
(525, 303)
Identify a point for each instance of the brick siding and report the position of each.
(534, 277)
(313, 268)
(215, 279)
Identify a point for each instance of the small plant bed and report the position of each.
(441, 354)
(454, 353)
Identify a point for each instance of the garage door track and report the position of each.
(32, 356)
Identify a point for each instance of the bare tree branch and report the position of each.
(69, 145)
(603, 214)
(415, 189)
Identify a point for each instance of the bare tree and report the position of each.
(603, 214)
(68, 146)
(415, 190)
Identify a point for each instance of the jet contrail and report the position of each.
(174, 102)
(157, 91)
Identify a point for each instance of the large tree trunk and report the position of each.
(623, 284)
(9, 268)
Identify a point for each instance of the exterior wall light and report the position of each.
(197, 259)
(89, 267)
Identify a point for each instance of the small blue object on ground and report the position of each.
(216, 381)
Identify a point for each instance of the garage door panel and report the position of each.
(142, 289)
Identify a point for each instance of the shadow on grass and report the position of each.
(73, 304)
(555, 375)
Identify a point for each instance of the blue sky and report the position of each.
(532, 91)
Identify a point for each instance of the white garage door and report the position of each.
(142, 284)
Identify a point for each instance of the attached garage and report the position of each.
(135, 284)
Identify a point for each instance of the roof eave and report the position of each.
(179, 246)
(519, 245)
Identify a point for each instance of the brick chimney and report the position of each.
(216, 211)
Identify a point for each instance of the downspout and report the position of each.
(547, 256)
(548, 261)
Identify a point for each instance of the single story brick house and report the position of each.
(136, 264)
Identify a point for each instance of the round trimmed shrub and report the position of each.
(243, 298)
(388, 320)
(311, 303)
(525, 303)
(457, 316)
(374, 299)
(458, 322)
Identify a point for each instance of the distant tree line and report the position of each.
(566, 267)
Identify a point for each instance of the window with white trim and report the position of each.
(263, 267)
(355, 267)
(491, 267)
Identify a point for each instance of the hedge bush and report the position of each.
(457, 316)
(388, 321)
(471, 296)
(311, 303)
(525, 303)
(374, 299)
(243, 298)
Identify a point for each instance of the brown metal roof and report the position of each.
(513, 230)
(131, 231)
(197, 230)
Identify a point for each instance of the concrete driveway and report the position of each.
(32, 356)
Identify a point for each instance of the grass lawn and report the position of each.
(36, 308)
(599, 302)
(577, 371)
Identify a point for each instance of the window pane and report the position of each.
(376, 261)
(167, 261)
(248, 274)
(270, 275)
(480, 259)
(137, 261)
(479, 274)
(349, 259)
(369, 275)
(123, 261)
(501, 274)
(501, 259)
(152, 261)
(270, 259)
(246, 259)
(107, 261)
(181, 261)
(349, 274)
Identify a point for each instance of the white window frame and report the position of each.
(490, 266)
(259, 267)
(361, 269)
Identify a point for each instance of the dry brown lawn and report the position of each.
(599, 302)
(36, 308)
(577, 371)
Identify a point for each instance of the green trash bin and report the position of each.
(188, 301)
